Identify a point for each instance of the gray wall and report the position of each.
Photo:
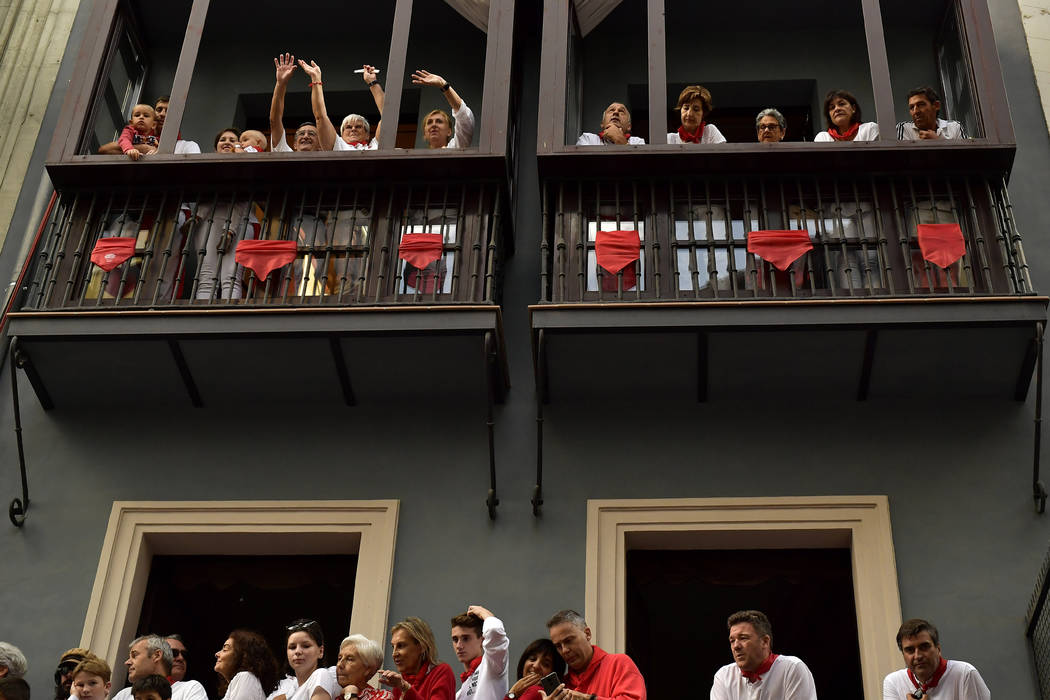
(967, 542)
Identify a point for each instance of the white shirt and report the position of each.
(464, 127)
(960, 681)
(290, 688)
(787, 679)
(589, 139)
(711, 135)
(868, 131)
(907, 131)
(282, 145)
(180, 690)
(489, 680)
(186, 147)
(245, 686)
(341, 145)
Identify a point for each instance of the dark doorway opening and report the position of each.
(678, 602)
(203, 598)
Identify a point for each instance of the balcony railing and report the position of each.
(694, 235)
(346, 251)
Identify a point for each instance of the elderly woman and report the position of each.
(842, 116)
(693, 103)
(359, 660)
(419, 675)
(538, 660)
(246, 667)
(770, 126)
(309, 680)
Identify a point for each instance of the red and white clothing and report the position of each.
(180, 690)
(129, 138)
(432, 683)
(907, 131)
(488, 679)
(341, 145)
(868, 131)
(960, 681)
(321, 678)
(370, 693)
(787, 678)
(589, 139)
(711, 134)
(244, 686)
(608, 676)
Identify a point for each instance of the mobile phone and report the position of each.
(550, 682)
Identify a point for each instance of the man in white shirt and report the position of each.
(160, 111)
(927, 674)
(481, 645)
(150, 655)
(615, 129)
(756, 673)
(178, 656)
(307, 137)
(923, 105)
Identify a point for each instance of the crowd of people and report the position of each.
(141, 136)
(563, 666)
(842, 118)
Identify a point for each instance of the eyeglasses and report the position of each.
(64, 669)
(178, 652)
(301, 626)
(769, 127)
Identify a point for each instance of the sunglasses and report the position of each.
(64, 669)
(301, 626)
(178, 652)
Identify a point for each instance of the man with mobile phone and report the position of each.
(481, 645)
(927, 673)
(755, 669)
(593, 674)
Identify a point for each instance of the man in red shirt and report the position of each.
(593, 673)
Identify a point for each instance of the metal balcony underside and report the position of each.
(226, 357)
(748, 350)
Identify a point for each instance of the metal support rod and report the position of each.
(541, 396)
(490, 361)
(19, 506)
(1038, 490)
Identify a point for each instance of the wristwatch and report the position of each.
(511, 695)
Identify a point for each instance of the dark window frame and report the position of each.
(975, 24)
(96, 52)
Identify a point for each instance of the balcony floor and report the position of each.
(837, 349)
(233, 357)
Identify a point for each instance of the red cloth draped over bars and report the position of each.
(615, 251)
(420, 249)
(263, 257)
(780, 248)
(110, 252)
(941, 244)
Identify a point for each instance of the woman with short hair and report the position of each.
(420, 675)
(246, 667)
(359, 660)
(843, 119)
(694, 103)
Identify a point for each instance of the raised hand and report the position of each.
(312, 70)
(285, 65)
(368, 73)
(422, 77)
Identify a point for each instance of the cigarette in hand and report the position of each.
(362, 70)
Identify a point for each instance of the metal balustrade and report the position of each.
(346, 253)
(694, 232)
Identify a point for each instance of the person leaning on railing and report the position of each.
(437, 126)
(354, 131)
(924, 105)
(419, 675)
(615, 129)
(359, 660)
(843, 119)
(693, 103)
(160, 109)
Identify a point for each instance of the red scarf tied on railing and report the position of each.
(941, 244)
(263, 257)
(110, 252)
(692, 137)
(850, 134)
(615, 251)
(420, 249)
(780, 248)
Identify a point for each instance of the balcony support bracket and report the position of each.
(541, 398)
(1038, 489)
(492, 373)
(185, 374)
(19, 506)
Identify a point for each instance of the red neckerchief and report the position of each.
(756, 675)
(416, 679)
(691, 137)
(170, 680)
(934, 679)
(626, 135)
(848, 136)
(359, 143)
(470, 670)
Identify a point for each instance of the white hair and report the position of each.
(350, 118)
(12, 658)
(371, 652)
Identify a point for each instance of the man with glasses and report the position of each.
(771, 126)
(151, 655)
(178, 654)
(307, 137)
